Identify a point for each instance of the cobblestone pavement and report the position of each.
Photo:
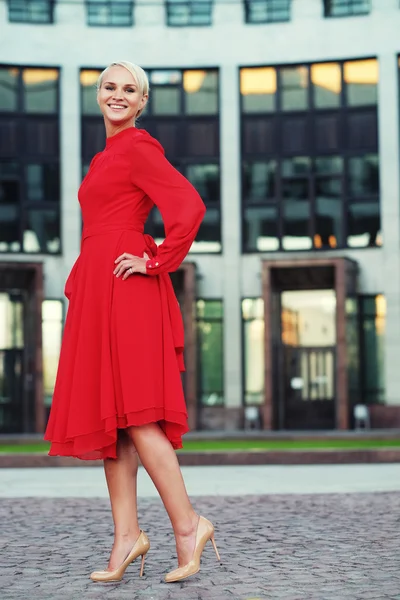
(313, 547)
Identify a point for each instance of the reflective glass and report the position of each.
(9, 228)
(9, 183)
(326, 80)
(51, 335)
(208, 238)
(361, 79)
(258, 89)
(42, 233)
(294, 88)
(259, 181)
(261, 229)
(9, 89)
(364, 225)
(88, 80)
(165, 100)
(205, 179)
(201, 92)
(364, 175)
(42, 182)
(296, 222)
(40, 90)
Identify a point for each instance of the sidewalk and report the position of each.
(89, 482)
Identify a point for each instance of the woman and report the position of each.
(118, 392)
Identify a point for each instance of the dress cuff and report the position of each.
(152, 266)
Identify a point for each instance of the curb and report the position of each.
(255, 457)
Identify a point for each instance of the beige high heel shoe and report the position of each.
(205, 532)
(140, 548)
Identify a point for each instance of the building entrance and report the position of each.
(306, 383)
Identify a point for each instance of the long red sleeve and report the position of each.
(180, 205)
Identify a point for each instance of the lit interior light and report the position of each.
(193, 81)
(258, 81)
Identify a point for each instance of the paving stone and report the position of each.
(304, 547)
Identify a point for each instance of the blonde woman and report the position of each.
(118, 392)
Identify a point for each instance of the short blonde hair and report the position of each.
(138, 73)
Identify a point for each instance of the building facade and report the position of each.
(285, 116)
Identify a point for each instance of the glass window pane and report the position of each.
(9, 183)
(254, 366)
(165, 77)
(259, 181)
(328, 220)
(296, 224)
(364, 225)
(328, 165)
(205, 179)
(88, 80)
(260, 229)
(51, 334)
(40, 90)
(9, 88)
(364, 175)
(252, 308)
(42, 233)
(209, 309)
(210, 352)
(344, 8)
(258, 89)
(361, 80)
(42, 183)
(326, 80)
(201, 92)
(9, 228)
(165, 100)
(11, 321)
(296, 189)
(299, 165)
(294, 85)
(209, 236)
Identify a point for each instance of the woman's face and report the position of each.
(119, 96)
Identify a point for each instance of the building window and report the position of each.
(30, 11)
(191, 12)
(210, 352)
(267, 11)
(310, 164)
(253, 350)
(29, 160)
(52, 324)
(372, 348)
(118, 13)
(183, 114)
(345, 8)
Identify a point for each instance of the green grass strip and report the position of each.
(238, 445)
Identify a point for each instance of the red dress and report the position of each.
(122, 348)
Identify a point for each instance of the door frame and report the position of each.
(344, 281)
(30, 275)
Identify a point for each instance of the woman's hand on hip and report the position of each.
(128, 264)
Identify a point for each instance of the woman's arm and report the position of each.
(180, 205)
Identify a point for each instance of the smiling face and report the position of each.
(120, 98)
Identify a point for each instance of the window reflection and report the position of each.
(253, 330)
(42, 182)
(294, 86)
(364, 225)
(52, 318)
(9, 228)
(9, 88)
(165, 100)
(42, 233)
(201, 92)
(261, 229)
(296, 225)
(259, 180)
(210, 351)
(40, 90)
(205, 179)
(327, 84)
(258, 89)
(209, 235)
(361, 78)
(364, 175)
(88, 79)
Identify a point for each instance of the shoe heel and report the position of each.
(142, 565)
(215, 548)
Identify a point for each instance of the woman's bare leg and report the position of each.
(121, 476)
(160, 461)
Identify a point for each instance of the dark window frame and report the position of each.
(26, 12)
(181, 119)
(191, 5)
(271, 5)
(351, 5)
(109, 5)
(278, 115)
(23, 158)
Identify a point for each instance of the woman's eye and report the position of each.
(109, 87)
(130, 90)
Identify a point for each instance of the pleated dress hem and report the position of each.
(102, 444)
